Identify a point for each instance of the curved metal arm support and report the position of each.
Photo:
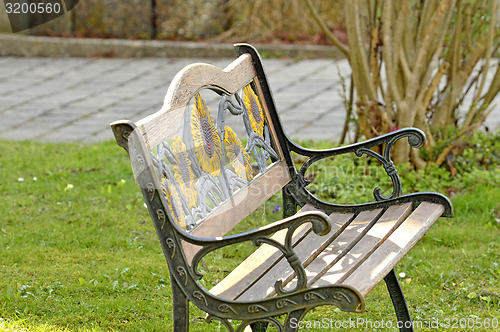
(294, 262)
(390, 170)
(319, 221)
(291, 256)
(416, 139)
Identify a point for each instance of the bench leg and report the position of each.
(399, 302)
(180, 309)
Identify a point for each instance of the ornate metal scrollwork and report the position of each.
(199, 296)
(284, 303)
(313, 296)
(340, 296)
(255, 308)
(416, 139)
(181, 271)
(171, 245)
(319, 224)
(292, 259)
(391, 171)
(225, 308)
(161, 217)
(151, 190)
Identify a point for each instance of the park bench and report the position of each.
(202, 171)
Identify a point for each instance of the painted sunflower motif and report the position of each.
(207, 143)
(240, 160)
(254, 108)
(174, 202)
(183, 172)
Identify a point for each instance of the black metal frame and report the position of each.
(295, 304)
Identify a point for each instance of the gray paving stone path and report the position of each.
(75, 99)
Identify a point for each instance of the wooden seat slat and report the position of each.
(310, 248)
(326, 262)
(256, 265)
(394, 248)
(266, 257)
(337, 263)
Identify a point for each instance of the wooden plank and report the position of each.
(166, 122)
(343, 268)
(257, 264)
(329, 256)
(376, 267)
(238, 207)
(337, 221)
(307, 250)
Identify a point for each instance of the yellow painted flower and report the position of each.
(254, 108)
(207, 144)
(174, 203)
(240, 160)
(183, 172)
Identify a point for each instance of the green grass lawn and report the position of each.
(78, 251)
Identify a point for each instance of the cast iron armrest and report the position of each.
(320, 225)
(415, 198)
(416, 139)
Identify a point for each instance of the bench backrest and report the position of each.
(216, 149)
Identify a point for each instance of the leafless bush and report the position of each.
(433, 55)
